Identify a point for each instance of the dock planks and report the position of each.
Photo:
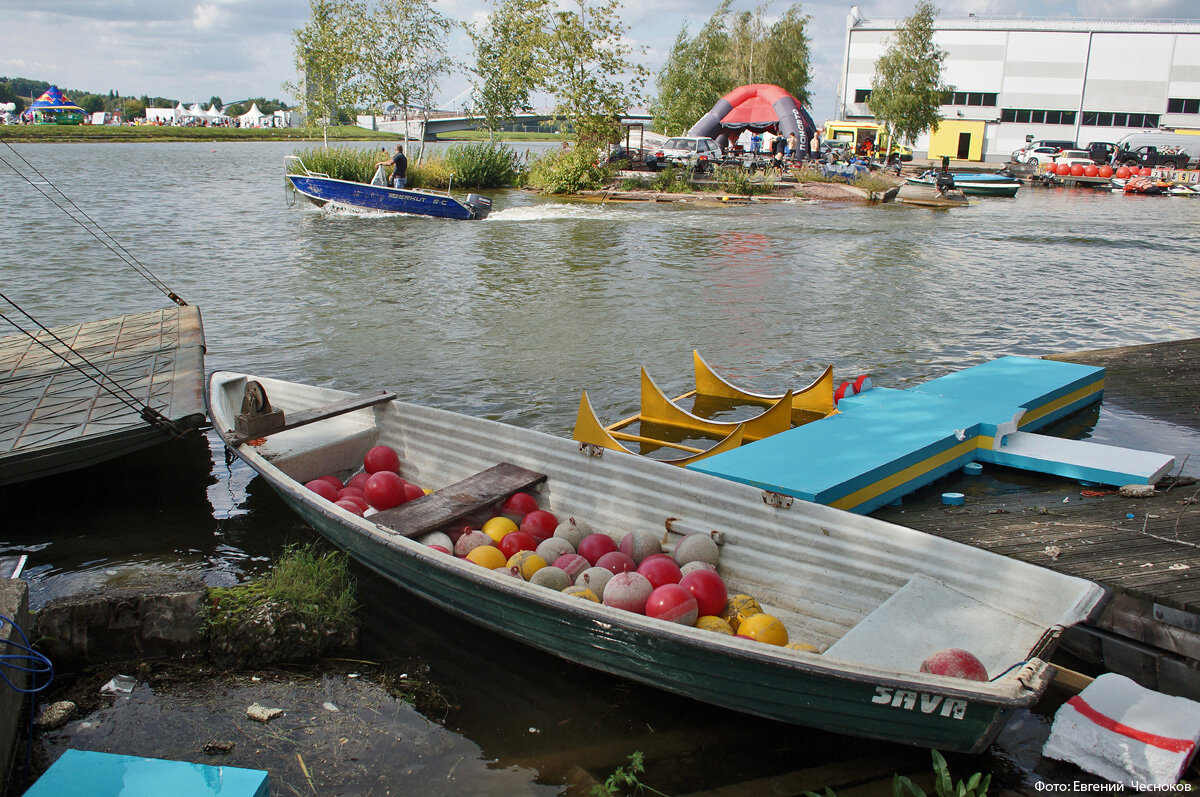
(55, 419)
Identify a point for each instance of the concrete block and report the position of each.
(14, 604)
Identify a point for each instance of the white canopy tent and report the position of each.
(252, 117)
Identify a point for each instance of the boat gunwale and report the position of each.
(1008, 692)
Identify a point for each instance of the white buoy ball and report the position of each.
(640, 544)
(595, 579)
(696, 548)
(692, 567)
(554, 547)
(437, 538)
(554, 578)
(572, 530)
(628, 591)
(470, 541)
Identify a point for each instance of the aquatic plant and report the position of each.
(341, 163)
(569, 171)
(738, 181)
(625, 777)
(305, 579)
(944, 785)
(487, 165)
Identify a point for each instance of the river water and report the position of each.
(511, 318)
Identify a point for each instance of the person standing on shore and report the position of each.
(399, 165)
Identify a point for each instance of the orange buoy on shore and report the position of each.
(1107, 171)
(1122, 173)
(1077, 170)
(1091, 171)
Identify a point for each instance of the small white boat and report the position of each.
(872, 599)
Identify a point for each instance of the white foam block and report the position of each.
(1126, 733)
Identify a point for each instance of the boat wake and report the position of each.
(334, 209)
(561, 211)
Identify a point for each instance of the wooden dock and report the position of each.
(56, 418)
(1146, 550)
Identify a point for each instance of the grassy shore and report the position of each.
(57, 133)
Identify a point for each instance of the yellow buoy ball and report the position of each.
(488, 556)
(527, 563)
(580, 591)
(807, 648)
(710, 622)
(763, 628)
(498, 527)
(738, 609)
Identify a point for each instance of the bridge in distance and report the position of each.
(450, 121)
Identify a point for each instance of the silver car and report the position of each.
(692, 152)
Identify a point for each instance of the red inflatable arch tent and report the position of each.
(757, 107)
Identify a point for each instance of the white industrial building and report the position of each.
(1078, 79)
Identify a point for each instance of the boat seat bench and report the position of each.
(454, 502)
(293, 420)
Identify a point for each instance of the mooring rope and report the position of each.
(107, 240)
(144, 410)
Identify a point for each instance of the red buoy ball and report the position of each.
(412, 492)
(540, 523)
(595, 579)
(1106, 171)
(1077, 170)
(323, 489)
(708, 589)
(354, 496)
(956, 663)
(660, 571)
(470, 541)
(697, 548)
(518, 505)
(1062, 169)
(517, 541)
(616, 562)
(640, 544)
(350, 507)
(1122, 173)
(573, 564)
(1145, 171)
(384, 490)
(381, 458)
(593, 546)
(1091, 171)
(334, 480)
(628, 591)
(673, 603)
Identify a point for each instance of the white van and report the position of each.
(1186, 147)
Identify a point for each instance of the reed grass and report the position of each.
(485, 165)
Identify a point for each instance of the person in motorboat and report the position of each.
(399, 164)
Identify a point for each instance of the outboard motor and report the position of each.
(481, 206)
(945, 182)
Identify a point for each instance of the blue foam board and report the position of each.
(83, 773)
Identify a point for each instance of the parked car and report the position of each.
(1073, 157)
(690, 152)
(1166, 157)
(1036, 155)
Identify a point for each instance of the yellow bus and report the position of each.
(861, 135)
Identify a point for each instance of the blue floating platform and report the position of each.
(885, 443)
(80, 773)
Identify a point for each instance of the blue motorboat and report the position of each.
(321, 190)
(973, 184)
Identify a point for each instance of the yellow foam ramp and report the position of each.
(588, 429)
(817, 397)
(658, 408)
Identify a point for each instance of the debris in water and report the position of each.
(261, 714)
(119, 685)
(329, 706)
(55, 715)
(1053, 551)
(218, 748)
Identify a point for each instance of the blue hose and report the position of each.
(25, 659)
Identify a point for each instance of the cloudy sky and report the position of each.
(194, 49)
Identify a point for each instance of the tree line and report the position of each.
(374, 54)
(22, 91)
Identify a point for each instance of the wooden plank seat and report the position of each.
(313, 414)
(454, 502)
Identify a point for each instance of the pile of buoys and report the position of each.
(377, 486)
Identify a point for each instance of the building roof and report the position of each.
(1068, 24)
